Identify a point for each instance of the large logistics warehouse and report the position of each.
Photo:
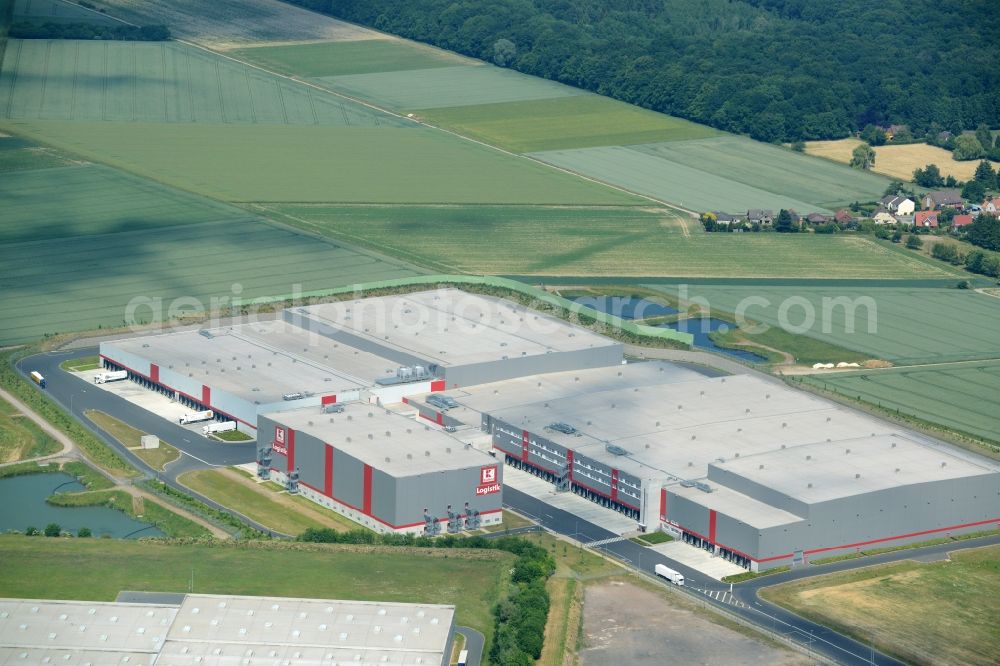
(755, 472)
(384, 470)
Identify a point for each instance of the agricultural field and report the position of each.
(275, 163)
(165, 82)
(446, 87)
(897, 161)
(564, 122)
(20, 155)
(98, 569)
(921, 612)
(90, 200)
(727, 173)
(581, 241)
(56, 11)
(905, 325)
(348, 57)
(223, 24)
(21, 438)
(958, 396)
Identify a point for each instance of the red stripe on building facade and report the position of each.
(569, 463)
(367, 498)
(712, 519)
(328, 399)
(663, 504)
(154, 372)
(437, 385)
(439, 418)
(206, 395)
(290, 437)
(525, 438)
(614, 485)
(328, 471)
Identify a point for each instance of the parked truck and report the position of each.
(663, 571)
(37, 378)
(194, 417)
(110, 376)
(222, 426)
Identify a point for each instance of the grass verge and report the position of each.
(98, 569)
(750, 575)
(81, 364)
(223, 519)
(925, 613)
(910, 546)
(21, 438)
(652, 538)
(131, 438)
(264, 503)
(172, 524)
(232, 436)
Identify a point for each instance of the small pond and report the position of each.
(701, 327)
(22, 499)
(626, 307)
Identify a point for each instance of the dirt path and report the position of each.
(69, 453)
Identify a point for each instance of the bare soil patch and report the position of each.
(626, 624)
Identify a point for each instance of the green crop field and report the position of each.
(902, 325)
(671, 182)
(57, 11)
(97, 569)
(363, 56)
(88, 200)
(590, 242)
(446, 87)
(79, 283)
(567, 122)
(18, 154)
(957, 396)
(161, 82)
(320, 164)
(766, 167)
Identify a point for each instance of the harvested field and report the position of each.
(902, 325)
(897, 161)
(161, 82)
(349, 57)
(447, 87)
(229, 23)
(593, 242)
(923, 613)
(566, 122)
(957, 396)
(640, 627)
(277, 163)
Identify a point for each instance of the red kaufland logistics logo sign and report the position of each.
(279, 445)
(488, 481)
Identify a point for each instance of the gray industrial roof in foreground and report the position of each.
(453, 327)
(395, 444)
(219, 629)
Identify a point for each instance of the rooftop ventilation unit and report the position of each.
(687, 484)
(615, 450)
(564, 428)
(703, 487)
(292, 396)
(205, 333)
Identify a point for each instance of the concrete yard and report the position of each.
(698, 559)
(570, 503)
(151, 401)
(626, 624)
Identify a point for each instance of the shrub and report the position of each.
(84, 533)
(53, 530)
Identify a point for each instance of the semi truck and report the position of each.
(37, 378)
(110, 376)
(663, 571)
(222, 426)
(463, 658)
(194, 417)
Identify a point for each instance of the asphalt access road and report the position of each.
(814, 637)
(77, 396)
(474, 642)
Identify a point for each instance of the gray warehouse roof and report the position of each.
(263, 361)
(452, 327)
(397, 445)
(215, 629)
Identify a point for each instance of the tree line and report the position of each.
(778, 70)
(123, 32)
(519, 617)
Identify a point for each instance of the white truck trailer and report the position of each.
(223, 426)
(110, 376)
(194, 417)
(663, 571)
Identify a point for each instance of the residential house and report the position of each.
(757, 216)
(883, 217)
(796, 218)
(726, 218)
(991, 206)
(942, 199)
(960, 221)
(843, 216)
(898, 204)
(818, 218)
(926, 219)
